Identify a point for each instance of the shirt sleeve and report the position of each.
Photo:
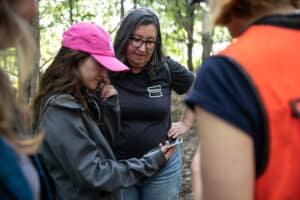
(84, 160)
(182, 78)
(223, 90)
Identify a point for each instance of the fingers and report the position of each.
(177, 129)
(172, 133)
(168, 151)
(164, 148)
(108, 91)
(106, 80)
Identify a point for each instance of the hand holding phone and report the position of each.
(175, 142)
(168, 148)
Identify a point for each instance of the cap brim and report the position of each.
(111, 63)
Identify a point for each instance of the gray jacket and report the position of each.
(79, 157)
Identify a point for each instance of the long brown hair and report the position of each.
(61, 77)
(14, 117)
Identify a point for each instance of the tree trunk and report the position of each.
(122, 9)
(190, 33)
(134, 3)
(71, 11)
(36, 68)
(28, 82)
(207, 41)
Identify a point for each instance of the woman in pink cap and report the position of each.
(78, 109)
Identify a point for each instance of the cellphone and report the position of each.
(174, 143)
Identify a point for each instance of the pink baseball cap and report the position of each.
(93, 39)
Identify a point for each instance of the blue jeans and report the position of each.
(165, 185)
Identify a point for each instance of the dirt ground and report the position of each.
(188, 148)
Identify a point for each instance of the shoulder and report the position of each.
(170, 61)
(60, 111)
(215, 74)
(181, 78)
(64, 101)
(222, 89)
(174, 65)
(10, 172)
(177, 68)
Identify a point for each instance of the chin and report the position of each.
(94, 87)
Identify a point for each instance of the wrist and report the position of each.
(187, 124)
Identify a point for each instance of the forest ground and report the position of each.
(188, 148)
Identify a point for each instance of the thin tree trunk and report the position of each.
(207, 41)
(36, 69)
(122, 9)
(28, 80)
(71, 11)
(190, 33)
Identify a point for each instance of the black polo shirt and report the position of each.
(145, 107)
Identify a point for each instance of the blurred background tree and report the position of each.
(186, 32)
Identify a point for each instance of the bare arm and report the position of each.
(227, 159)
(197, 185)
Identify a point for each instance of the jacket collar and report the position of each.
(65, 100)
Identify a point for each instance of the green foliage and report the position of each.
(55, 16)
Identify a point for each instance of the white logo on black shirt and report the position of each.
(155, 91)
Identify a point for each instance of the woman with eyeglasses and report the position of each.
(78, 109)
(145, 101)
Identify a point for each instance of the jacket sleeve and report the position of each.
(110, 123)
(86, 162)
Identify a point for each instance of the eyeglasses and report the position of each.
(138, 42)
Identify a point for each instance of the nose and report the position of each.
(103, 72)
(142, 47)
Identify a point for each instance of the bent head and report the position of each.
(138, 40)
(83, 60)
(237, 14)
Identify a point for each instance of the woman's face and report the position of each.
(141, 46)
(92, 73)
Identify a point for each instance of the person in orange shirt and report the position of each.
(246, 100)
